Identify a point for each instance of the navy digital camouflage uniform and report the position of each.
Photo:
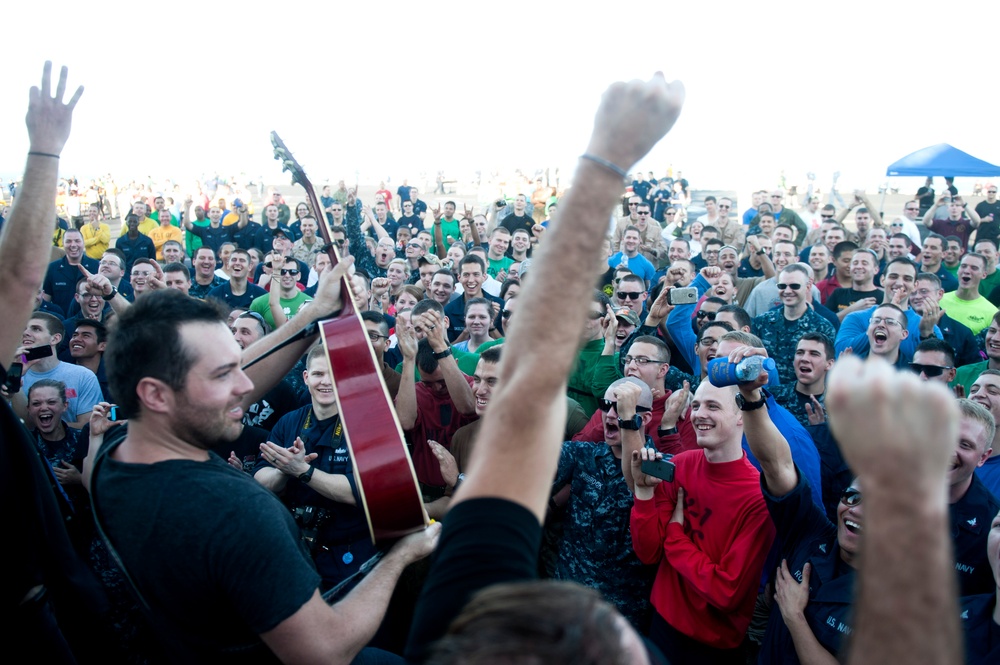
(596, 549)
(781, 336)
(794, 401)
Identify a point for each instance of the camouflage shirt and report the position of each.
(795, 402)
(596, 548)
(781, 336)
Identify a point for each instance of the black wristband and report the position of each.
(666, 432)
(307, 475)
(444, 354)
(110, 296)
(43, 154)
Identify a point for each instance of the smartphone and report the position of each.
(501, 204)
(661, 468)
(113, 413)
(13, 382)
(687, 295)
(37, 352)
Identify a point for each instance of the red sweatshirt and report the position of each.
(710, 567)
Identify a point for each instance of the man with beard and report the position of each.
(181, 402)
(237, 292)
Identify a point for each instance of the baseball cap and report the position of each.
(627, 315)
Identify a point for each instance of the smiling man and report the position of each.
(887, 328)
(814, 358)
(986, 391)
(967, 305)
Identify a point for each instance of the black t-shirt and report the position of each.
(200, 540)
(989, 230)
(926, 198)
(513, 222)
(843, 298)
(266, 411)
(246, 446)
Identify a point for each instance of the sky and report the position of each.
(384, 91)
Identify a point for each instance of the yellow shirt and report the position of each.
(160, 235)
(146, 225)
(96, 241)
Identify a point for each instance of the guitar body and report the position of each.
(383, 469)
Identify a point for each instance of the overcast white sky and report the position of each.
(393, 88)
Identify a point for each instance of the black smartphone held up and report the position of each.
(13, 382)
(37, 353)
(661, 468)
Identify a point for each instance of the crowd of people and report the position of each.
(182, 433)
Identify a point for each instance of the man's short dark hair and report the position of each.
(154, 322)
(114, 251)
(710, 198)
(472, 258)
(173, 242)
(205, 248)
(742, 317)
(992, 241)
(53, 323)
(903, 320)
(663, 351)
(790, 228)
(953, 239)
(177, 267)
(426, 305)
(725, 325)
(929, 277)
(938, 236)
(977, 255)
(632, 277)
(100, 330)
(377, 318)
(934, 344)
(602, 299)
(711, 229)
(843, 247)
(905, 260)
(827, 343)
(446, 272)
(492, 354)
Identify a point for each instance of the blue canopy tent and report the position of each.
(942, 160)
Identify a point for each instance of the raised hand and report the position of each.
(49, 120)
(633, 117)
(675, 406)
(406, 340)
(446, 461)
(815, 411)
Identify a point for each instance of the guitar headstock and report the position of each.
(288, 163)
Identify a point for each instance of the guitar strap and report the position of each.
(308, 331)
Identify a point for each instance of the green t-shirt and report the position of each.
(967, 375)
(291, 306)
(495, 267)
(989, 283)
(976, 314)
(449, 229)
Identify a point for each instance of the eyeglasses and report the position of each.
(643, 213)
(289, 271)
(339, 243)
(374, 336)
(776, 196)
(606, 405)
(912, 209)
(629, 295)
(726, 207)
(89, 296)
(632, 205)
(930, 371)
(670, 212)
(991, 191)
(705, 315)
(641, 361)
(876, 320)
(851, 497)
(831, 216)
(793, 287)
(708, 341)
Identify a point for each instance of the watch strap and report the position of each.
(110, 296)
(307, 475)
(443, 354)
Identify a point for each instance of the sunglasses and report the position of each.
(851, 497)
(643, 213)
(930, 371)
(793, 287)
(253, 315)
(629, 295)
(506, 313)
(289, 271)
(706, 315)
(606, 405)
(827, 216)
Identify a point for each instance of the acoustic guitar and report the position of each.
(383, 469)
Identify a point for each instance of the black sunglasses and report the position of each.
(851, 497)
(506, 313)
(793, 287)
(705, 315)
(606, 405)
(629, 295)
(289, 271)
(930, 371)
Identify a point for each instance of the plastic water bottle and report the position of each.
(723, 373)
